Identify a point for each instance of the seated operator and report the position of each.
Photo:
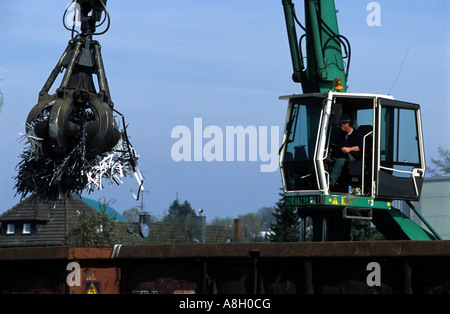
(350, 140)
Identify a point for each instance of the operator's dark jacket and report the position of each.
(353, 139)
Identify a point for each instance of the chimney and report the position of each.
(237, 230)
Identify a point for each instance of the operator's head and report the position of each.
(345, 122)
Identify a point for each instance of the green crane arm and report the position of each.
(324, 58)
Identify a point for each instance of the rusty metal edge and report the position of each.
(235, 250)
(54, 253)
(289, 250)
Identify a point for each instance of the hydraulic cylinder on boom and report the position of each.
(325, 68)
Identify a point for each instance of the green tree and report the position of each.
(94, 228)
(251, 227)
(286, 227)
(179, 212)
(132, 214)
(179, 217)
(267, 217)
(220, 230)
(222, 222)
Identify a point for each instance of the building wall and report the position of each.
(434, 205)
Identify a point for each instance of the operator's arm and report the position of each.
(353, 143)
(350, 149)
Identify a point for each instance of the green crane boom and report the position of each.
(324, 58)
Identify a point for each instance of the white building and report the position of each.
(434, 205)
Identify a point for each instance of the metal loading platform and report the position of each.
(236, 268)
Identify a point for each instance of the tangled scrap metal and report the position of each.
(52, 178)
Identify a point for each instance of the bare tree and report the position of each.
(443, 163)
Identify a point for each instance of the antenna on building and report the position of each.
(142, 201)
(144, 216)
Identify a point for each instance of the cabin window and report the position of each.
(300, 144)
(399, 140)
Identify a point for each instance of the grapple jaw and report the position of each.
(73, 131)
(63, 122)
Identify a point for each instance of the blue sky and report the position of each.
(168, 62)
